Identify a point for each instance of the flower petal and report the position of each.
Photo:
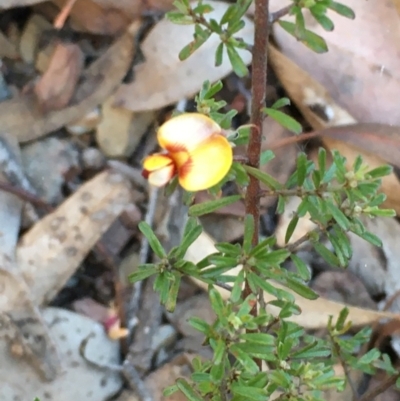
(186, 131)
(156, 161)
(161, 177)
(208, 164)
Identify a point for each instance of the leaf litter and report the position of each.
(69, 238)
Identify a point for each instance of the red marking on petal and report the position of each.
(145, 174)
(175, 147)
(185, 168)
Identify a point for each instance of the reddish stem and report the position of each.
(258, 89)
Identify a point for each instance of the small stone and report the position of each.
(165, 336)
(92, 158)
(47, 162)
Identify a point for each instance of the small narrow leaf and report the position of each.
(239, 67)
(263, 177)
(302, 269)
(310, 39)
(173, 293)
(301, 168)
(326, 254)
(285, 120)
(282, 102)
(291, 227)
(143, 272)
(301, 289)
(188, 390)
(219, 54)
(154, 243)
(338, 215)
(341, 9)
(266, 156)
(344, 313)
(248, 232)
(211, 206)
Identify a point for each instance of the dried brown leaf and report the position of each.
(21, 118)
(57, 85)
(50, 252)
(360, 70)
(87, 15)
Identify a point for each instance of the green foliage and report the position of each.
(334, 196)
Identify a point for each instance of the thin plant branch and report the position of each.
(25, 196)
(379, 389)
(277, 15)
(343, 363)
(258, 91)
(135, 381)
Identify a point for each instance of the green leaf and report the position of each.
(161, 285)
(179, 18)
(219, 351)
(173, 293)
(258, 338)
(202, 8)
(143, 272)
(381, 171)
(219, 54)
(154, 243)
(248, 232)
(343, 315)
(285, 120)
(322, 161)
(302, 268)
(311, 351)
(188, 390)
(291, 227)
(341, 9)
(263, 177)
(301, 289)
(188, 240)
(282, 102)
(168, 391)
(371, 238)
(323, 20)
(301, 168)
(266, 157)
(211, 206)
(239, 67)
(244, 359)
(249, 393)
(217, 303)
(228, 248)
(338, 215)
(326, 254)
(237, 287)
(199, 325)
(235, 27)
(310, 39)
(200, 38)
(229, 14)
(371, 356)
(263, 247)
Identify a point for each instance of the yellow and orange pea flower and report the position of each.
(195, 149)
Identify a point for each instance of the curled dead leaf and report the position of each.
(56, 87)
